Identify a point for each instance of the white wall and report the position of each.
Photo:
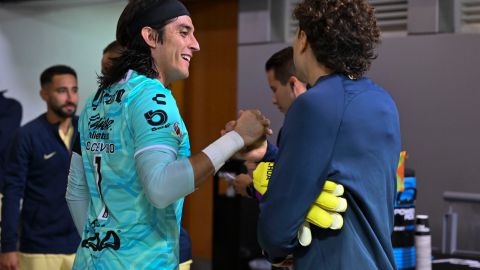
(37, 34)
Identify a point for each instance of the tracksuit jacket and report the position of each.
(36, 170)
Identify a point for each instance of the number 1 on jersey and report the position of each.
(97, 162)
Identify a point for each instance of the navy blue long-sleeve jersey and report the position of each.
(348, 131)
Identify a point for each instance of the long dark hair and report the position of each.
(136, 54)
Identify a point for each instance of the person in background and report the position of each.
(285, 87)
(112, 51)
(36, 170)
(10, 119)
(344, 128)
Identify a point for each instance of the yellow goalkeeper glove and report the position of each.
(323, 213)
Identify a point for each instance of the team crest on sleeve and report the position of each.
(177, 131)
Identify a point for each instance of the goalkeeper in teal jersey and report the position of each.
(132, 167)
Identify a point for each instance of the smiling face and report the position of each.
(172, 56)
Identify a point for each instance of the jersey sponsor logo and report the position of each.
(108, 148)
(162, 127)
(99, 135)
(101, 123)
(109, 240)
(103, 96)
(116, 97)
(156, 118)
(158, 100)
(49, 156)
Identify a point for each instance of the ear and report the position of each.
(297, 86)
(302, 39)
(43, 94)
(149, 36)
(291, 83)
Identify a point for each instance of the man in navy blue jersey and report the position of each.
(344, 128)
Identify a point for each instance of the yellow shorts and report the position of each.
(30, 261)
(185, 265)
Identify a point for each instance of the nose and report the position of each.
(274, 100)
(72, 96)
(195, 46)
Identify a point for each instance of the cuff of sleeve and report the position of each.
(222, 149)
(9, 246)
(270, 153)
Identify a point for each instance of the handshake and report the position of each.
(323, 213)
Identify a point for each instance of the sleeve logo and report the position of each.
(156, 118)
(158, 100)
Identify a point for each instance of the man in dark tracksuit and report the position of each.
(36, 171)
(344, 128)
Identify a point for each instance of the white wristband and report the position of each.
(222, 149)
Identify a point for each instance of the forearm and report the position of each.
(212, 158)
(77, 194)
(298, 176)
(16, 164)
(165, 179)
(202, 168)
(271, 153)
(10, 217)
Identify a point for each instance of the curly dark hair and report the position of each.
(136, 54)
(343, 34)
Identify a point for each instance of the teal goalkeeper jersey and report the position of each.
(123, 229)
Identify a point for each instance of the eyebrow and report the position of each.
(65, 88)
(186, 26)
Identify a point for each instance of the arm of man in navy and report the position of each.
(16, 170)
(271, 152)
(306, 147)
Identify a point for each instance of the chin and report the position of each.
(67, 114)
(183, 76)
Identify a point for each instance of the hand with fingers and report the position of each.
(252, 126)
(242, 184)
(9, 261)
(255, 151)
(323, 213)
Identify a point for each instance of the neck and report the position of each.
(64, 123)
(316, 71)
(162, 79)
(161, 74)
